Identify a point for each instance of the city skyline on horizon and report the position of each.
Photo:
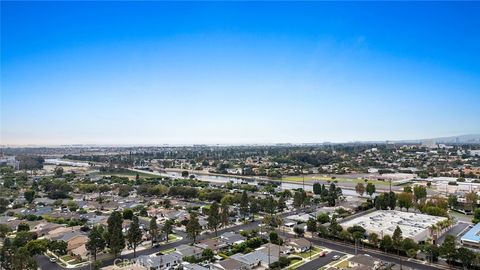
(154, 73)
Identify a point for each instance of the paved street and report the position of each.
(348, 248)
(44, 263)
(321, 261)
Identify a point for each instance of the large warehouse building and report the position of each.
(384, 222)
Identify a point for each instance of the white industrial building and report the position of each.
(384, 222)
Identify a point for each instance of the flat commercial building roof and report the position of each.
(384, 222)
(472, 237)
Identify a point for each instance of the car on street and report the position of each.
(52, 260)
(336, 257)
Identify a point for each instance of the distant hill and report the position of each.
(462, 139)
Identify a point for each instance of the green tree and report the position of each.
(72, 206)
(22, 260)
(392, 200)
(213, 217)
(254, 209)
(386, 244)
(298, 231)
(471, 199)
(3, 205)
(299, 199)
(312, 225)
(476, 216)
(127, 214)
(4, 230)
(448, 248)
(167, 228)
(244, 204)
(29, 195)
(193, 227)
(420, 192)
(373, 239)
(115, 239)
(58, 247)
(134, 235)
(466, 256)
(274, 238)
(452, 201)
(323, 218)
(59, 171)
(207, 254)
(370, 189)
(281, 205)
(23, 226)
(37, 247)
(96, 242)
(360, 188)
(431, 252)
(334, 228)
(397, 238)
(405, 200)
(409, 244)
(153, 230)
(317, 188)
(224, 216)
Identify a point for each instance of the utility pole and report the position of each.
(303, 179)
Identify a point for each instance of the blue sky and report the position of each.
(237, 72)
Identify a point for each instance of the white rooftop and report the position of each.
(384, 222)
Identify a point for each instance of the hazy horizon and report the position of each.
(153, 73)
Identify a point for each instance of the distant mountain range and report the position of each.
(462, 139)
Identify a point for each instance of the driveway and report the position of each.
(456, 230)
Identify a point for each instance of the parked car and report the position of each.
(336, 257)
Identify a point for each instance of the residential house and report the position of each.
(187, 251)
(232, 238)
(359, 261)
(299, 244)
(255, 259)
(212, 243)
(193, 266)
(161, 262)
(230, 264)
(45, 228)
(275, 249)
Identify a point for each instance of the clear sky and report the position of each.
(156, 72)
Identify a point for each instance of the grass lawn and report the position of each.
(313, 177)
(67, 258)
(294, 260)
(342, 264)
(172, 237)
(305, 255)
(296, 263)
(167, 251)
